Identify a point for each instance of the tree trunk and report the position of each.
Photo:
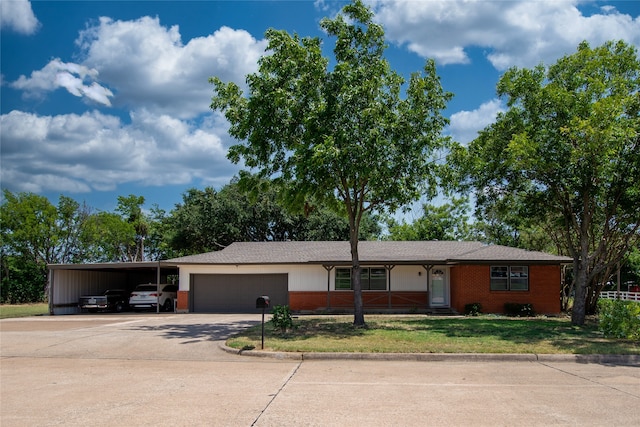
(578, 313)
(356, 284)
(581, 261)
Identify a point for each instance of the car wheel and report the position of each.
(168, 305)
(119, 307)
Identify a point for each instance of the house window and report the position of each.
(510, 278)
(343, 278)
(370, 278)
(377, 279)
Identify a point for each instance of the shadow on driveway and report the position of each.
(198, 332)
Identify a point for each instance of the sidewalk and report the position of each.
(150, 370)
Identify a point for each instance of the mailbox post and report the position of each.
(263, 303)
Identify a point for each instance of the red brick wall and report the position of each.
(183, 301)
(344, 299)
(470, 283)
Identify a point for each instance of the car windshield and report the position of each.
(146, 288)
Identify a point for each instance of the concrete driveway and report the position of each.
(168, 369)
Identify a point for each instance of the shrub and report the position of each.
(281, 318)
(518, 310)
(619, 318)
(472, 309)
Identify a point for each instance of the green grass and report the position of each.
(23, 310)
(430, 334)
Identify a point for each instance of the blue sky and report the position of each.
(107, 98)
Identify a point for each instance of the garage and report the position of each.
(236, 293)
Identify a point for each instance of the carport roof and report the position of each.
(370, 252)
(113, 265)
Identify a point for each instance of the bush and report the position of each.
(472, 309)
(518, 310)
(281, 318)
(619, 318)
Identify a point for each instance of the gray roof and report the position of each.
(370, 252)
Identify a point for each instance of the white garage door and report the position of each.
(236, 293)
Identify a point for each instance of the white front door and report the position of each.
(439, 283)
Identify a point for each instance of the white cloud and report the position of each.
(465, 125)
(149, 67)
(79, 153)
(67, 75)
(139, 66)
(520, 33)
(18, 16)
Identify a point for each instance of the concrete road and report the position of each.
(168, 369)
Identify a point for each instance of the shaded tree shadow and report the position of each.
(316, 328)
(561, 335)
(200, 331)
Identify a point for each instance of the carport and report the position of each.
(68, 281)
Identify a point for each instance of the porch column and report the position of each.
(328, 268)
(389, 268)
(428, 267)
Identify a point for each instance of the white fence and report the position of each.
(631, 296)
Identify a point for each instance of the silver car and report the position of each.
(152, 296)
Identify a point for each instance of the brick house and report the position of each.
(396, 276)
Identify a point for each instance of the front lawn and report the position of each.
(23, 310)
(432, 334)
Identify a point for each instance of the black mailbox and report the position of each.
(262, 302)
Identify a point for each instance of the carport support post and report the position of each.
(50, 292)
(158, 287)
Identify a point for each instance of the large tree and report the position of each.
(45, 234)
(121, 236)
(339, 131)
(113, 239)
(130, 208)
(34, 233)
(567, 152)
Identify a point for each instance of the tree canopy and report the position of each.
(567, 153)
(36, 229)
(209, 220)
(448, 221)
(338, 132)
(35, 233)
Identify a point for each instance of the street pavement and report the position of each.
(143, 369)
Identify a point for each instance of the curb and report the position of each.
(613, 359)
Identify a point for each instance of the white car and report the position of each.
(152, 295)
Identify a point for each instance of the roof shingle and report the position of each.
(379, 252)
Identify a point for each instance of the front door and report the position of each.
(439, 283)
